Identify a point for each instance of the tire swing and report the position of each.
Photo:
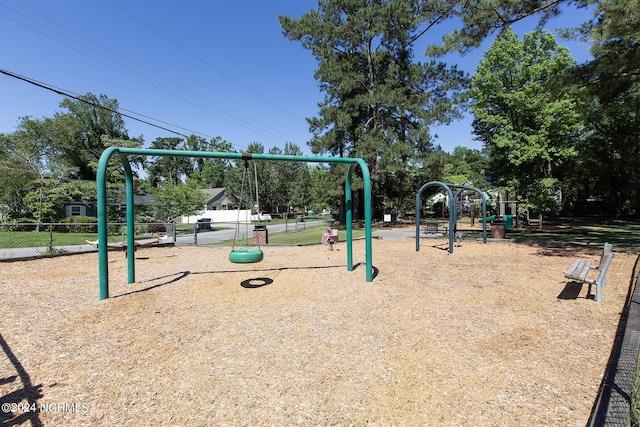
(245, 255)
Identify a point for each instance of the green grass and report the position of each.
(308, 236)
(305, 237)
(611, 234)
(28, 239)
(621, 234)
(292, 220)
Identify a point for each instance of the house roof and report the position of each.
(218, 196)
(144, 199)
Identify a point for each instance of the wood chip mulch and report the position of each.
(489, 335)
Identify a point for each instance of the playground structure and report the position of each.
(453, 212)
(330, 237)
(501, 207)
(122, 246)
(121, 153)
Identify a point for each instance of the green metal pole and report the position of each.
(131, 215)
(368, 218)
(103, 261)
(349, 217)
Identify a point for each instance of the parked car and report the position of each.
(261, 216)
(264, 216)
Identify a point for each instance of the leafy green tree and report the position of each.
(608, 168)
(49, 200)
(530, 129)
(81, 134)
(16, 176)
(13, 187)
(278, 184)
(27, 165)
(612, 29)
(240, 180)
(76, 139)
(179, 199)
(300, 194)
(209, 173)
(168, 168)
(615, 45)
(610, 84)
(288, 181)
(324, 192)
(33, 171)
(482, 18)
(465, 166)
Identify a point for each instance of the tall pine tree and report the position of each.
(379, 103)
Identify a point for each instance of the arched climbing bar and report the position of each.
(484, 205)
(452, 218)
(453, 213)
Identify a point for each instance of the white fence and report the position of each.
(219, 216)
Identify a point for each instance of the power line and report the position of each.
(226, 115)
(208, 64)
(77, 97)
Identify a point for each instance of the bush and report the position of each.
(23, 224)
(157, 227)
(115, 228)
(82, 224)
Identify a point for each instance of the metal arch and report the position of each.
(122, 153)
(452, 210)
(452, 219)
(484, 206)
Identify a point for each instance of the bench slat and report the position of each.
(579, 270)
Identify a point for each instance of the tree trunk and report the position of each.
(402, 178)
(41, 202)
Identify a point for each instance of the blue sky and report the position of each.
(207, 67)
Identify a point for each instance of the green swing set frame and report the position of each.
(122, 153)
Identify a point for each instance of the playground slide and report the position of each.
(508, 221)
(488, 219)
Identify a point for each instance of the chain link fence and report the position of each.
(27, 240)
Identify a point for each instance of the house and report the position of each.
(87, 207)
(77, 208)
(219, 208)
(218, 199)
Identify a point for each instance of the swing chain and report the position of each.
(246, 157)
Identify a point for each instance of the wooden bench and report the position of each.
(580, 269)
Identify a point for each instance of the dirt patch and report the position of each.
(489, 335)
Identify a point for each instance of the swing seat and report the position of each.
(245, 256)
